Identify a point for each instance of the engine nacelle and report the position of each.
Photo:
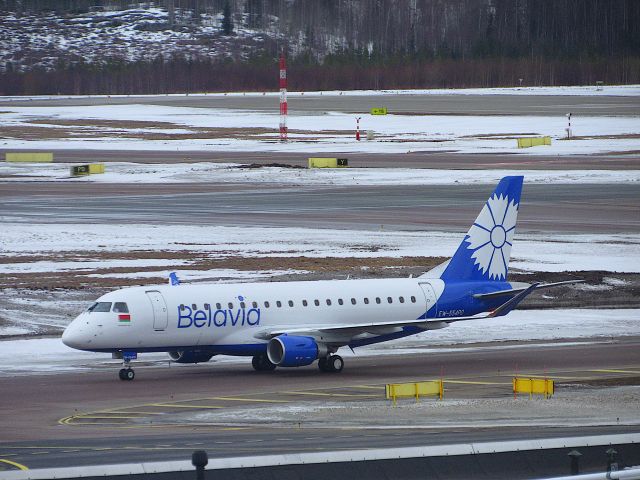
(293, 351)
(190, 356)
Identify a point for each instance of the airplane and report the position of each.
(293, 324)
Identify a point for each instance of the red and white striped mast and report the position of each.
(283, 99)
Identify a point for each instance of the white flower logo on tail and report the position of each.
(491, 236)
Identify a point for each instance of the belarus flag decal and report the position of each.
(124, 318)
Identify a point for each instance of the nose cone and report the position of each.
(74, 337)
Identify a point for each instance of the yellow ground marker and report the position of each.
(471, 382)
(615, 371)
(238, 399)
(175, 405)
(127, 412)
(323, 394)
(370, 387)
(17, 465)
(101, 417)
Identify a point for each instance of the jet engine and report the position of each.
(294, 351)
(190, 356)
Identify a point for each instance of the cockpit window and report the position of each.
(100, 307)
(120, 307)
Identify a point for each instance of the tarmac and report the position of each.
(91, 417)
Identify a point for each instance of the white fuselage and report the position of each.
(164, 318)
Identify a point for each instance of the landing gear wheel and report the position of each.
(126, 374)
(322, 364)
(335, 363)
(261, 363)
(331, 364)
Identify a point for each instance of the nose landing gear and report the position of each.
(126, 372)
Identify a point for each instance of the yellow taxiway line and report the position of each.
(17, 465)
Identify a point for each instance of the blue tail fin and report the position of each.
(484, 253)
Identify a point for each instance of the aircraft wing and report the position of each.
(346, 331)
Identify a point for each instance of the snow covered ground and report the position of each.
(120, 172)
(583, 90)
(49, 355)
(208, 130)
(536, 252)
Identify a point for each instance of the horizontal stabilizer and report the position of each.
(514, 291)
(512, 303)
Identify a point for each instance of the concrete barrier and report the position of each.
(27, 157)
(495, 460)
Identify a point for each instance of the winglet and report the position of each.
(173, 279)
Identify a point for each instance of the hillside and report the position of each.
(113, 46)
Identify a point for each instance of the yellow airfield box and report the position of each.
(25, 157)
(379, 111)
(526, 142)
(533, 386)
(393, 391)
(95, 168)
(321, 162)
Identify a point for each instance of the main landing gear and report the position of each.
(126, 372)
(261, 363)
(331, 364)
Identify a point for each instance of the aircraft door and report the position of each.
(160, 313)
(429, 295)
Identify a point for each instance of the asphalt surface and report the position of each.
(68, 425)
(578, 208)
(547, 105)
(419, 159)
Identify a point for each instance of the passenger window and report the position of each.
(304, 303)
(340, 302)
(206, 306)
(317, 303)
(266, 304)
(242, 305)
(413, 299)
(120, 307)
(218, 306)
(353, 301)
(378, 300)
(401, 299)
(279, 304)
(194, 306)
(254, 304)
(329, 301)
(291, 303)
(230, 306)
(366, 301)
(389, 299)
(100, 307)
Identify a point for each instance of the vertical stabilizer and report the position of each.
(484, 253)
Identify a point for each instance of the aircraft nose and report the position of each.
(73, 336)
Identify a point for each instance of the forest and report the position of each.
(359, 44)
